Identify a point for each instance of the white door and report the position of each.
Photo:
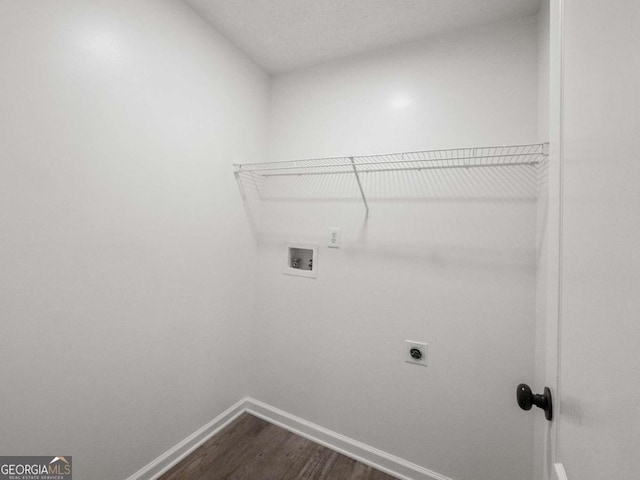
(592, 286)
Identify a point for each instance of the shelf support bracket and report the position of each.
(364, 198)
(245, 203)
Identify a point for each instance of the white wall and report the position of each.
(599, 429)
(125, 255)
(449, 259)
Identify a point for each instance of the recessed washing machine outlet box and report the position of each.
(301, 260)
(416, 352)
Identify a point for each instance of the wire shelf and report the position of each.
(499, 156)
(472, 157)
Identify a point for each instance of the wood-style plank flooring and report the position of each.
(251, 449)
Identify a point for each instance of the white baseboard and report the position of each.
(366, 454)
(172, 456)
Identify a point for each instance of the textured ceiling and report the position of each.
(282, 35)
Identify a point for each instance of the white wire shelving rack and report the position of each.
(452, 158)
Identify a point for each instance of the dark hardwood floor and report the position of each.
(251, 449)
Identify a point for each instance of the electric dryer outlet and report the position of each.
(416, 352)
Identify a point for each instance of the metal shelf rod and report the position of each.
(386, 162)
(409, 169)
